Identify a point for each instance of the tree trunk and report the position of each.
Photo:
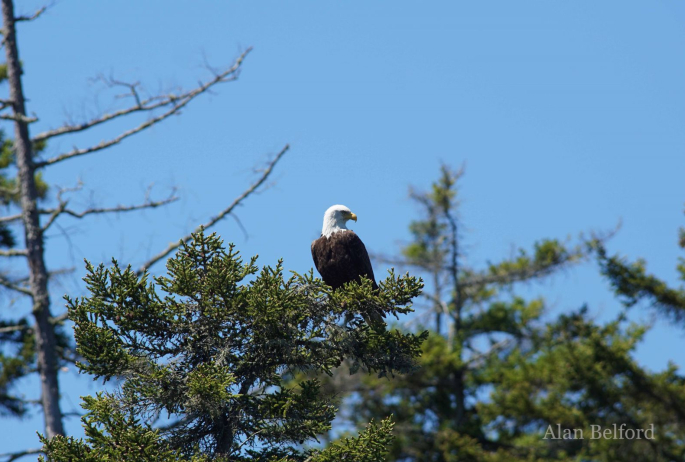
(38, 278)
(456, 340)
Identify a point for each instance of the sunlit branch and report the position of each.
(13, 253)
(19, 118)
(150, 104)
(62, 209)
(173, 246)
(35, 15)
(12, 456)
(12, 285)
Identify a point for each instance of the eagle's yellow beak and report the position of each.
(353, 216)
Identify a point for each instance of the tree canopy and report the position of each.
(208, 349)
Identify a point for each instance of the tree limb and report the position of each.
(476, 360)
(8, 329)
(121, 208)
(17, 286)
(13, 253)
(150, 104)
(19, 118)
(12, 456)
(35, 15)
(61, 209)
(6, 283)
(60, 319)
(10, 218)
(173, 246)
(5, 103)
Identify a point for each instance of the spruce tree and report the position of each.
(208, 349)
(495, 376)
(555, 398)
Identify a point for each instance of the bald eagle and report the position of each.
(340, 256)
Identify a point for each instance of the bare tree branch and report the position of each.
(478, 359)
(174, 245)
(12, 285)
(8, 329)
(5, 103)
(18, 284)
(121, 208)
(59, 319)
(35, 15)
(19, 118)
(13, 253)
(62, 209)
(176, 102)
(10, 218)
(62, 203)
(55, 320)
(12, 456)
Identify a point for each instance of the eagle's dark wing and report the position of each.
(342, 258)
(359, 257)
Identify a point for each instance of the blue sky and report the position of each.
(568, 116)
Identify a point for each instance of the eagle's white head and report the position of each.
(335, 218)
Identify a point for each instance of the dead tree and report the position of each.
(36, 220)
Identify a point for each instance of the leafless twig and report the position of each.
(13, 253)
(19, 118)
(10, 218)
(173, 246)
(62, 209)
(35, 15)
(5, 103)
(12, 285)
(174, 102)
(59, 319)
(18, 284)
(477, 359)
(7, 329)
(12, 456)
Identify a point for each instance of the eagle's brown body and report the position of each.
(342, 258)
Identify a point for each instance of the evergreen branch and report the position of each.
(150, 104)
(509, 277)
(632, 283)
(173, 246)
(535, 268)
